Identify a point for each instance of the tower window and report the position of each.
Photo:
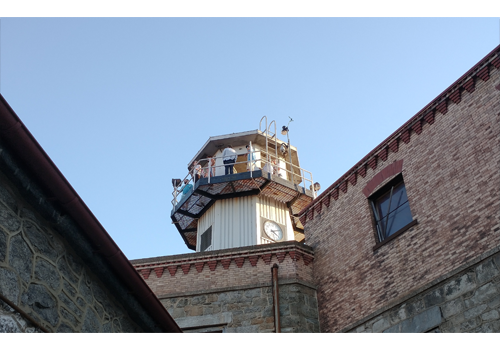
(206, 239)
(391, 209)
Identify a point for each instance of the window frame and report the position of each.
(396, 180)
(208, 231)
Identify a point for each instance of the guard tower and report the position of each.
(255, 205)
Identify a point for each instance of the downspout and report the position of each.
(276, 299)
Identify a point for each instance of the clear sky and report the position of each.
(122, 104)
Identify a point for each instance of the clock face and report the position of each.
(273, 230)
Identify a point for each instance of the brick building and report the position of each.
(407, 240)
(231, 290)
(432, 263)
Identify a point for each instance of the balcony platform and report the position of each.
(204, 194)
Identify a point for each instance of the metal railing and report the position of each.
(275, 166)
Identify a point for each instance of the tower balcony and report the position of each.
(203, 187)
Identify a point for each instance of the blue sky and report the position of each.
(122, 104)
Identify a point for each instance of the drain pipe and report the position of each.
(276, 299)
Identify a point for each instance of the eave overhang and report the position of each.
(33, 159)
(205, 193)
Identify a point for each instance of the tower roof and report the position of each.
(256, 137)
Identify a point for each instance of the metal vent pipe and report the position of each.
(276, 299)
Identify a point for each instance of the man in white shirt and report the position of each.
(229, 158)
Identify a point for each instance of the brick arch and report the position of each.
(389, 171)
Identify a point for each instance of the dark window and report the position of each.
(391, 208)
(206, 239)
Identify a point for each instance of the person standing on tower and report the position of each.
(250, 158)
(197, 170)
(229, 158)
(186, 189)
(211, 167)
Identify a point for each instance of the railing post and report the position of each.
(312, 185)
(250, 160)
(209, 169)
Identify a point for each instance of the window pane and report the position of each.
(383, 204)
(398, 196)
(392, 212)
(206, 239)
(398, 219)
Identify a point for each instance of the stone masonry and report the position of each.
(248, 310)
(45, 285)
(468, 301)
(449, 155)
(230, 290)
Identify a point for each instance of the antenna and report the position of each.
(284, 130)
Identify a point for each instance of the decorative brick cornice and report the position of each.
(172, 269)
(280, 256)
(382, 154)
(429, 117)
(406, 136)
(145, 273)
(353, 179)
(456, 97)
(223, 258)
(484, 73)
(417, 127)
(362, 169)
(466, 82)
(343, 186)
(496, 62)
(373, 162)
(470, 85)
(199, 266)
(393, 146)
(381, 176)
(318, 209)
(442, 107)
(225, 263)
(326, 201)
(159, 271)
(267, 258)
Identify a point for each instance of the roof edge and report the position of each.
(32, 157)
(429, 108)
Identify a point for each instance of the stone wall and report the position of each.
(13, 322)
(246, 310)
(450, 166)
(44, 283)
(467, 301)
(230, 289)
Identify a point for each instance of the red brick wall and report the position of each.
(227, 268)
(451, 169)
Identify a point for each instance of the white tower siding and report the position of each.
(236, 222)
(233, 223)
(277, 211)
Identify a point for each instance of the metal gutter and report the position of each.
(33, 158)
